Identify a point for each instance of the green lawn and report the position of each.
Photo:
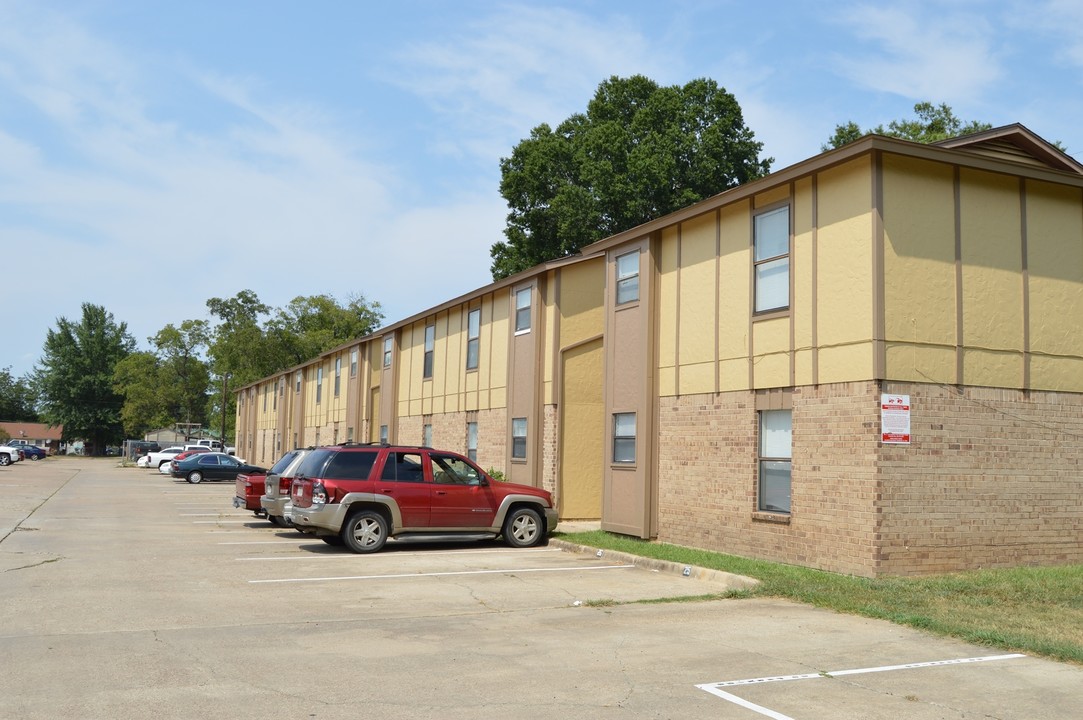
(1038, 611)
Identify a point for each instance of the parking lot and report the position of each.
(127, 594)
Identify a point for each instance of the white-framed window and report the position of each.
(338, 375)
(265, 389)
(430, 350)
(472, 441)
(349, 434)
(518, 438)
(628, 278)
(771, 238)
(319, 384)
(473, 339)
(426, 434)
(383, 434)
(522, 310)
(624, 437)
(353, 362)
(775, 460)
(298, 378)
(387, 350)
(274, 398)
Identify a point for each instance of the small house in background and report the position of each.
(44, 436)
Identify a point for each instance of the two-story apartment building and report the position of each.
(724, 376)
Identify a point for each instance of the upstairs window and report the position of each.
(353, 363)
(387, 351)
(338, 374)
(522, 310)
(771, 237)
(628, 278)
(319, 384)
(298, 381)
(430, 350)
(473, 339)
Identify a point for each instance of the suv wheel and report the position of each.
(5, 459)
(523, 528)
(365, 531)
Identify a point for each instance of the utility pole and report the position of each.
(225, 385)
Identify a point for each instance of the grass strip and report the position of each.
(1033, 610)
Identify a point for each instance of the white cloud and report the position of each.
(930, 52)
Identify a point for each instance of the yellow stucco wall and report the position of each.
(696, 310)
(845, 272)
(992, 280)
(1055, 264)
(802, 308)
(734, 268)
(667, 289)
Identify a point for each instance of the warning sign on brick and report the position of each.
(895, 419)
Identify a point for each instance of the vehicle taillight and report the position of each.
(319, 493)
(284, 486)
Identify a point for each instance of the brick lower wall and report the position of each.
(708, 478)
(990, 479)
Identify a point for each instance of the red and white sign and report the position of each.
(895, 419)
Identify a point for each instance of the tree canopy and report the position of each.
(17, 398)
(639, 152)
(932, 124)
(75, 376)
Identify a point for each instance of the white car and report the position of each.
(157, 459)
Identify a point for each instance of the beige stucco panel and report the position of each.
(992, 266)
(697, 378)
(993, 369)
(733, 374)
(1064, 374)
(772, 196)
(919, 251)
(846, 363)
(582, 301)
(1055, 263)
(771, 371)
(844, 267)
(801, 305)
(668, 301)
(698, 292)
(734, 262)
(920, 363)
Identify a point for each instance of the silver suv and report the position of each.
(275, 500)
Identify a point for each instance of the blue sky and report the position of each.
(154, 154)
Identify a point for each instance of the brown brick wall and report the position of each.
(708, 478)
(991, 479)
(550, 448)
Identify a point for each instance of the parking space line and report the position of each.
(441, 574)
(222, 522)
(716, 688)
(356, 556)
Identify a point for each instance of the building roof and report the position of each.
(32, 430)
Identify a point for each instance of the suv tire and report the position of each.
(365, 531)
(523, 528)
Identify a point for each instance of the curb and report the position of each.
(729, 580)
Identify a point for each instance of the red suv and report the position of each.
(360, 495)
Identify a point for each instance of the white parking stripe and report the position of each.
(222, 522)
(716, 688)
(355, 556)
(442, 574)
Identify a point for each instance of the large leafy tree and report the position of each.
(310, 325)
(168, 384)
(17, 398)
(639, 152)
(75, 376)
(932, 124)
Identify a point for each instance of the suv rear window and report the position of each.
(284, 463)
(312, 465)
(350, 465)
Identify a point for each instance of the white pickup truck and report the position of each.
(157, 459)
(9, 454)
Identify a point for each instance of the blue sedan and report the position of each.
(33, 452)
(211, 466)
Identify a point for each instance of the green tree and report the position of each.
(75, 377)
(168, 384)
(932, 124)
(639, 152)
(17, 398)
(310, 325)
